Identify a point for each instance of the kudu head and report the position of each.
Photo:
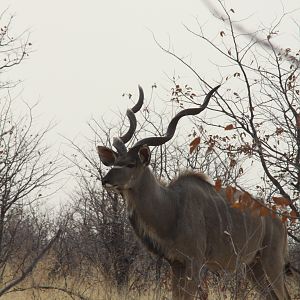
(129, 165)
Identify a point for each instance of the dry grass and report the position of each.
(88, 285)
(41, 286)
(106, 293)
(99, 293)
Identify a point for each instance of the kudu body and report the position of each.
(189, 223)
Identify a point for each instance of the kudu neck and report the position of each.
(148, 186)
(153, 203)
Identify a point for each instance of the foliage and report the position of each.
(254, 120)
(26, 172)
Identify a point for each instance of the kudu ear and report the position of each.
(145, 155)
(107, 156)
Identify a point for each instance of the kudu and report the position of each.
(189, 222)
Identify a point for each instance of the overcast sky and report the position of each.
(87, 53)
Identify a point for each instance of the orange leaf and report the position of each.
(229, 193)
(246, 199)
(229, 127)
(264, 211)
(218, 185)
(256, 205)
(194, 144)
(284, 218)
(294, 216)
(237, 205)
(274, 211)
(281, 201)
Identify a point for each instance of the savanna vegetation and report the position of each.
(89, 250)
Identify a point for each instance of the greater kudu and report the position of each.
(189, 223)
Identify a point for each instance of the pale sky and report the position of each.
(87, 53)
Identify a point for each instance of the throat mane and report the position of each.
(145, 233)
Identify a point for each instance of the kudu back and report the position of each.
(189, 223)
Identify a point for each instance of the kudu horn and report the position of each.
(119, 142)
(156, 141)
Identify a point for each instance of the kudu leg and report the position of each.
(274, 269)
(185, 282)
(256, 275)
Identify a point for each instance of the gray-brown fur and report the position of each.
(193, 226)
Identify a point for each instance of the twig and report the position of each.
(30, 268)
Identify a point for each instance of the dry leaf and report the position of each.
(229, 193)
(274, 211)
(194, 144)
(237, 205)
(246, 199)
(229, 127)
(284, 218)
(281, 201)
(264, 211)
(256, 205)
(232, 163)
(218, 185)
(294, 216)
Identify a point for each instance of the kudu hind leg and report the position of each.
(258, 278)
(274, 269)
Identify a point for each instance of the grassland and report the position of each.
(91, 286)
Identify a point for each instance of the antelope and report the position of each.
(189, 223)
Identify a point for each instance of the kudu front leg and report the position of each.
(185, 282)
